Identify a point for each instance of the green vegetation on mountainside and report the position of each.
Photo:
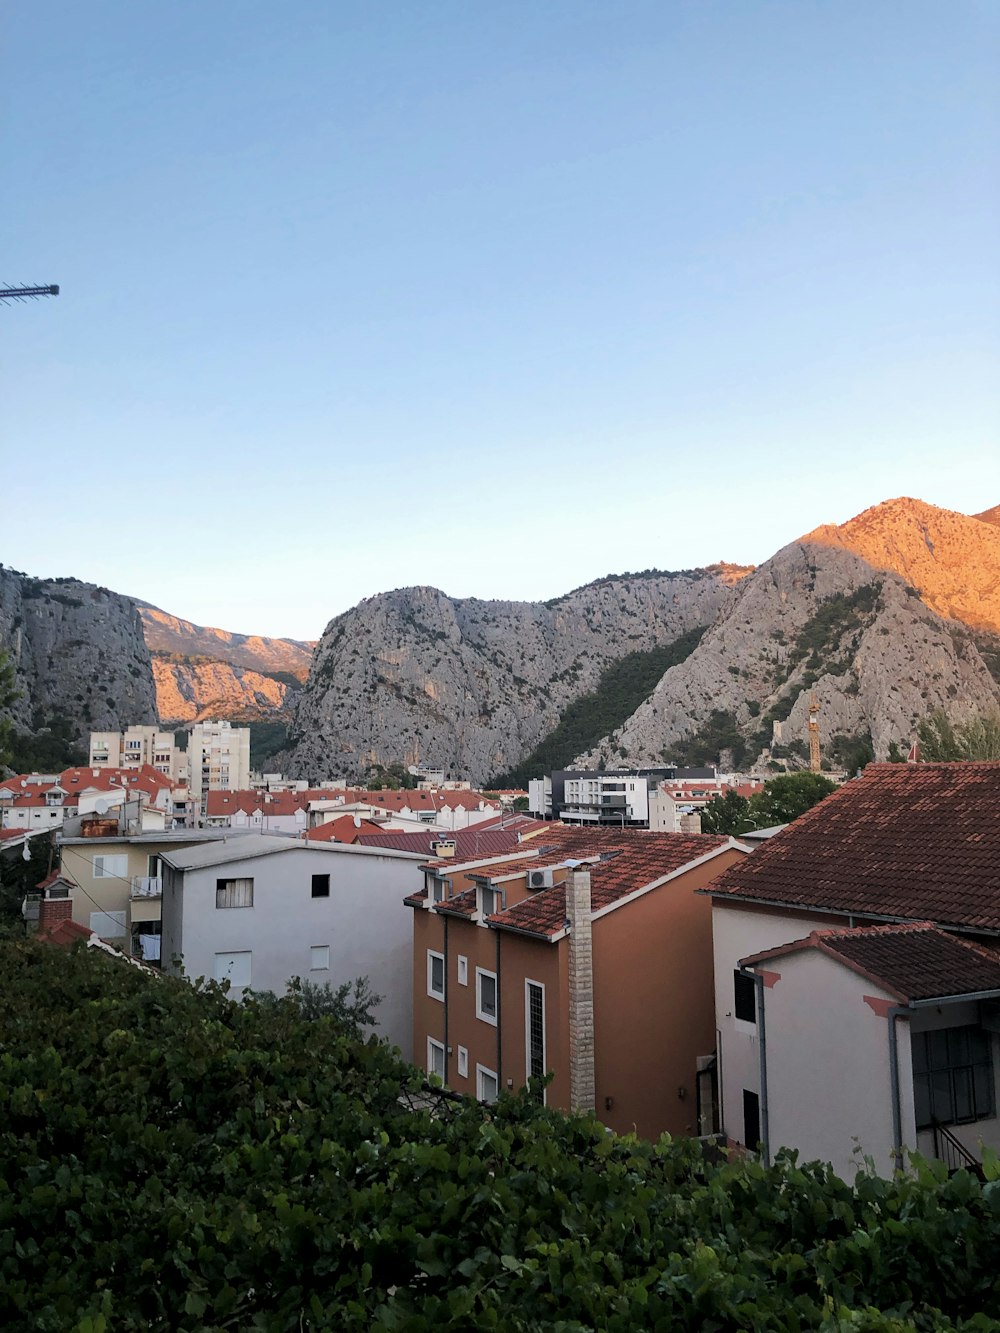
(174, 1161)
(586, 721)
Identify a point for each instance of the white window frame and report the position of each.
(463, 1062)
(481, 1071)
(463, 970)
(432, 954)
(319, 958)
(435, 1046)
(119, 860)
(480, 1012)
(528, 981)
(243, 954)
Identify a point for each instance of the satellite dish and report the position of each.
(357, 821)
(101, 807)
(413, 770)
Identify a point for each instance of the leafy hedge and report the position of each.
(170, 1161)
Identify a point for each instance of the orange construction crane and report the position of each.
(814, 759)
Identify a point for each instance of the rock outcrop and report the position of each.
(471, 686)
(78, 653)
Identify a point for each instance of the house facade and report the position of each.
(585, 955)
(840, 946)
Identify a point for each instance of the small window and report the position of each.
(110, 867)
(437, 890)
(751, 1119)
(490, 900)
(234, 893)
(486, 996)
(435, 1059)
(319, 958)
(463, 1062)
(534, 1029)
(745, 1004)
(487, 1087)
(233, 967)
(321, 886)
(463, 970)
(952, 1076)
(435, 974)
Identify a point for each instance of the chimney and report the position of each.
(691, 823)
(56, 905)
(582, 1092)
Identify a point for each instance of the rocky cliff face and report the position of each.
(78, 653)
(203, 672)
(472, 686)
(861, 632)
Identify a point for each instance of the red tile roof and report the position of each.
(913, 962)
(64, 933)
(343, 830)
(480, 840)
(145, 778)
(917, 842)
(221, 803)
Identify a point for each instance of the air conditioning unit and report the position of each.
(541, 879)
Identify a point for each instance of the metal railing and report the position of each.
(147, 886)
(951, 1151)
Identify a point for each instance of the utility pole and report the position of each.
(814, 757)
(27, 293)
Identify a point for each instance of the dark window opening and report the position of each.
(952, 1076)
(321, 886)
(751, 1119)
(746, 997)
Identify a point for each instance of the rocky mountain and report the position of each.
(990, 516)
(885, 617)
(202, 672)
(472, 686)
(79, 656)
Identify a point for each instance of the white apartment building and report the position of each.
(218, 758)
(136, 746)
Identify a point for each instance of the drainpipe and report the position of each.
(765, 1127)
(500, 1083)
(447, 988)
(897, 1110)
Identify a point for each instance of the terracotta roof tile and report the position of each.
(914, 962)
(911, 841)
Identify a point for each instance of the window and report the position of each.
(234, 893)
(463, 1062)
(745, 1006)
(153, 867)
(319, 958)
(534, 1029)
(435, 1058)
(108, 925)
(463, 970)
(111, 867)
(487, 1087)
(751, 1119)
(233, 967)
(952, 1076)
(486, 996)
(490, 899)
(435, 974)
(437, 889)
(321, 886)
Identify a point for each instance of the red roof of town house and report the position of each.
(343, 830)
(248, 802)
(145, 779)
(916, 961)
(486, 839)
(64, 933)
(912, 842)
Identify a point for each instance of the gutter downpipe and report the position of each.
(897, 1111)
(447, 1048)
(765, 1127)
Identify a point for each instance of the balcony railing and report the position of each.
(147, 886)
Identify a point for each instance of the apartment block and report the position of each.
(218, 756)
(136, 746)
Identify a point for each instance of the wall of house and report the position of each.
(653, 1004)
(828, 1070)
(363, 922)
(738, 932)
(111, 893)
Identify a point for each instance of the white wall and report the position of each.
(364, 922)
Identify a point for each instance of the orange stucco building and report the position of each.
(587, 955)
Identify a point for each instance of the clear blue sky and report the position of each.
(492, 296)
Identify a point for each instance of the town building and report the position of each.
(585, 954)
(218, 759)
(138, 746)
(258, 911)
(653, 798)
(858, 974)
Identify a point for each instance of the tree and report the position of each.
(353, 1013)
(942, 741)
(786, 797)
(728, 814)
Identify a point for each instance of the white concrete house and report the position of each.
(260, 910)
(857, 974)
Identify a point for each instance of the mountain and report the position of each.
(990, 516)
(473, 686)
(202, 672)
(79, 656)
(886, 617)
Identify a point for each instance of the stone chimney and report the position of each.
(56, 904)
(690, 823)
(582, 1093)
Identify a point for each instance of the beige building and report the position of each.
(136, 746)
(218, 757)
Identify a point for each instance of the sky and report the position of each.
(497, 297)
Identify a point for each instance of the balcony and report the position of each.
(147, 886)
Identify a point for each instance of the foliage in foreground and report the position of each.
(172, 1161)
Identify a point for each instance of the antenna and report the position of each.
(25, 292)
